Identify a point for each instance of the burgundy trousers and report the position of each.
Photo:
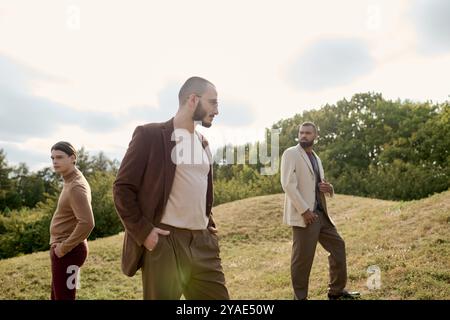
(65, 272)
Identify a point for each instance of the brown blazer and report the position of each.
(142, 188)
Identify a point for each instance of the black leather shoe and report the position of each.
(345, 295)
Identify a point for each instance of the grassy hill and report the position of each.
(408, 241)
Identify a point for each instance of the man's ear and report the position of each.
(193, 100)
(74, 159)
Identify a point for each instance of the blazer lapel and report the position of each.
(306, 159)
(209, 191)
(321, 172)
(205, 145)
(169, 165)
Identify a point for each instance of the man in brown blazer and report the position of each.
(163, 194)
(305, 209)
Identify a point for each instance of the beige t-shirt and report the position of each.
(73, 220)
(186, 205)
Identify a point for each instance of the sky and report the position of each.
(89, 72)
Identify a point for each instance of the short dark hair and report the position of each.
(308, 124)
(65, 147)
(193, 85)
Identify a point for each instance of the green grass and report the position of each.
(408, 241)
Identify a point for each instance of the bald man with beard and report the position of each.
(163, 194)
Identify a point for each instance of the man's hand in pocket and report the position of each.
(153, 238)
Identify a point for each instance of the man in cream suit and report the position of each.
(305, 209)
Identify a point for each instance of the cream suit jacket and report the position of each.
(298, 182)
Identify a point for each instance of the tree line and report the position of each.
(369, 146)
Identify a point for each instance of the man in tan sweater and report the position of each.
(72, 223)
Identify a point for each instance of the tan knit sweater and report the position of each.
(73, 220)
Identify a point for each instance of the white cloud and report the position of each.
(331, 62)
(431, 20)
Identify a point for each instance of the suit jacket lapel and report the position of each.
(209, 192)
(169, 165)
(319, 163)
(205, 145)
(306, 158)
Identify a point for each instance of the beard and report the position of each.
(306, 144)
(200, 114)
